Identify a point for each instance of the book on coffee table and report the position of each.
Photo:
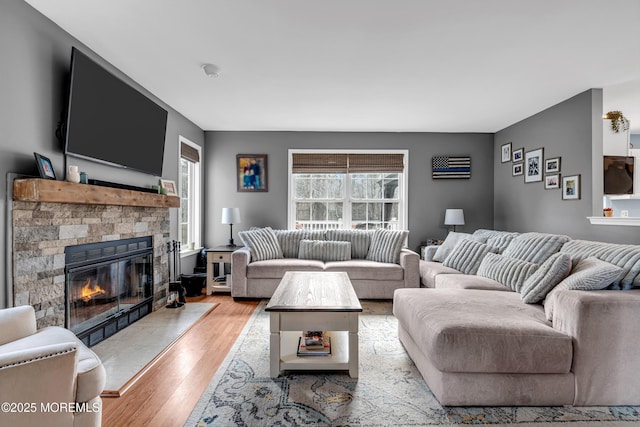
(314, 350)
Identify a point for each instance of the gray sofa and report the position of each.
(477, 342)
(371, 279)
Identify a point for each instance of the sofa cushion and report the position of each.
(362, 269)
(386, 245)
(429, 270)
(289, 241)
(467, 256)
(590, 274)
(545, 278)
(468, 281)
(495, 238)
(275, 268)
(450, 243)
(360, 240)
(262, 243)
(482, 331)
(535, 247)
(325, 250)
(510, 272)
(626, 257)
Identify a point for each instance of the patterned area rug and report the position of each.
(389, 392)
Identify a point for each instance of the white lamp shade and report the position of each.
(231, 216)
(454, 217)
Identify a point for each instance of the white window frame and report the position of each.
(403, 183)
(194, 198)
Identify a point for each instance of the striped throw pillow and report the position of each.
(550, 273)
(535, 247)
(262, 243)
(467, 256)
(590, 274)
(511, 272)
(360, 240)
(289, 241)
(325, 250)
(386, 245)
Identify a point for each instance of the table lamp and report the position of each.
(231, 216)
(454, 217)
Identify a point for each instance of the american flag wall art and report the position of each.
(451, 167)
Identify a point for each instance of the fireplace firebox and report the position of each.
(109, 285)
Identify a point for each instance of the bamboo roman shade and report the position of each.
(189, 153)
(346, 162)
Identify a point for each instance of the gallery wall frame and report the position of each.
(571, 187)
(517, 155)
(505, 152)
(552, 182)
(533, 165)
(552, 165)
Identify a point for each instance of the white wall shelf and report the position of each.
(615, 220)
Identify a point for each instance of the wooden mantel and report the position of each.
(48, 190)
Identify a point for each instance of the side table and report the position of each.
(221, 255)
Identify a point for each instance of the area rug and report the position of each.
(389, 391)
(130, 353)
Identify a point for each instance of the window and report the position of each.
(190, 194)
(361, 190)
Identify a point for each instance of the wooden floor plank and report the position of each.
(167, 394)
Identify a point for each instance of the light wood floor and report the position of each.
(166, 395)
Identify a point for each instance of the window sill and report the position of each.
(614, 220)
(189, 252)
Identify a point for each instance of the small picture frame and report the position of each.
(552, 165)
(571, 187)
(551, 182)
(45, 168)
(517, 169)
(251, 173)
(517, 155)
(505, 151)
(169, 186)
(533, 165)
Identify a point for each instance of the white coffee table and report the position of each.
(314, 301)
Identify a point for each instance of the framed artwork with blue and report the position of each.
(251, 171)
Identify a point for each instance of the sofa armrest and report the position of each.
(240, 259)
(429, 251)
(16, 323)
(38, 376)
(410, 263)
(603, 325)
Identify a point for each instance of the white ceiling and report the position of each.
(366, 65)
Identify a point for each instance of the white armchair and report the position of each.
(47, 376)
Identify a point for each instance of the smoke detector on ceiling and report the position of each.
(211, 70)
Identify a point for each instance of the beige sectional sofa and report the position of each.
(373, 274)
(477, 342)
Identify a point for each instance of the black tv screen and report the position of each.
(109, 121)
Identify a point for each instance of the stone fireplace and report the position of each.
(51, 217)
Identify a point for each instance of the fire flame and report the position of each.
(90, 291)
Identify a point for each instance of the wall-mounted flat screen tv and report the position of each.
(618, 174)
(111, 122)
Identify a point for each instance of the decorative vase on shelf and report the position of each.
(72, 174)
(608, 212)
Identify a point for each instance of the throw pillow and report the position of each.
(497, 239)
(325, 250)
(467, 256)
(535, 247)
(550, 273)
(262, 243)
(511, 272)
(590, 274)
(450, 243)
(360, 240)
(386, 245)
(289, 241)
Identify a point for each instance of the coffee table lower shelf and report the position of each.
(337, 360)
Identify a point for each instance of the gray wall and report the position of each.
(572, 130)
(428, 198)
(35, 66)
